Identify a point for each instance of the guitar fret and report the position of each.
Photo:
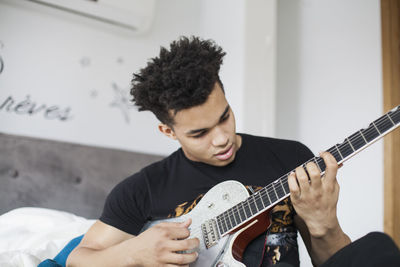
(253, 206)
(384, 124)
(269, 198)
(224, 225)
(236, 216)
(279, 189)
(286, 184)
(345, 149)
(242, 212)
(396, 115)
(228, 222)
(284, 191)
(271, 195)
(370, 133)
(247, 209)
(262, 196)
(258, 201)
(238, 212)
(376, 127)
(348, 141)
(232, 217)
(339, 152)
(277, 197)
(357, 140)
(219, 223)
(390, 119)
(363, 137)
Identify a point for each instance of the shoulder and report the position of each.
(283, 149)
(274, 143)
(140, 179)
(163, 166)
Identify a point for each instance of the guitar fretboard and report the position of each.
(279, 189)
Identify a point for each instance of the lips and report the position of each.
(225, 154)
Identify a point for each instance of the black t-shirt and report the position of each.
(174, 185)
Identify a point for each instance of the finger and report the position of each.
(172, 232)
(314, 174)
(302, 179)
(186, 223)
(293, 186)
(176, 224)
(183, 245)
(181, 258)
(331, 167)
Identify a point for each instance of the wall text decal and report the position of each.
(28, 107)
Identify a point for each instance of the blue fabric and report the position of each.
(61, 259)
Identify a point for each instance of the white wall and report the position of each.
(56, 59)
(328, 86)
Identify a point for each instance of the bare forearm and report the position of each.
(111, 256)
(324, 246)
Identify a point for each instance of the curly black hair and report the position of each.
(179, 78)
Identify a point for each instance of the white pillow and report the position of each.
(31, 235)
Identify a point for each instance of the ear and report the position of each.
(166, 130)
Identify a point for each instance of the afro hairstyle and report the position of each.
(179, 78)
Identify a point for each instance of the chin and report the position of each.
(221, 163)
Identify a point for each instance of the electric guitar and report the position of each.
(227, 218)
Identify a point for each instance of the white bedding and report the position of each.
(31, 235)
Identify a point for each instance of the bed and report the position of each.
(51, 192)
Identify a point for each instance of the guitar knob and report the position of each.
(225, 196)
(221, 264)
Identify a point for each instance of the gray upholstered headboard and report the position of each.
(61, 176)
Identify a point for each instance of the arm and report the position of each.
(104, 245)
(315, 201)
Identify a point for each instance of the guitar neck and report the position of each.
(278, 190)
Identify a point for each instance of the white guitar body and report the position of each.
(217, 200)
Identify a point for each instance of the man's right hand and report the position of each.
(160, 243)
(104, 245)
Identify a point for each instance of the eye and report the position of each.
(200, 134)
(225, 118)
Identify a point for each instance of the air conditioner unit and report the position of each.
(136, 15)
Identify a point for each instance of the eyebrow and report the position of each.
(205, 129)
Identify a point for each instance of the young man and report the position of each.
(182, 88)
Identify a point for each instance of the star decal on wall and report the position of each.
(85, 62)
(120, 60)
(122, 101)
(94, 93)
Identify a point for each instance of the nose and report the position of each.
(220, 138)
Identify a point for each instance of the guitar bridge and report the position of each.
(210, 233)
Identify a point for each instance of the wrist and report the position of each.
(325, 230)
(132, 258)
(325, 245)
(332, 239)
